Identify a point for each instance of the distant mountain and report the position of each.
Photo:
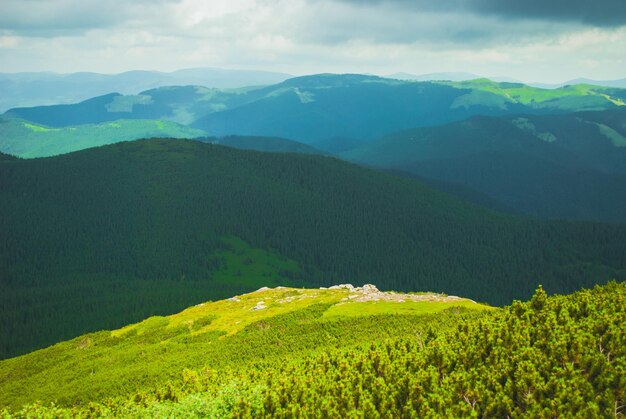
(504, 79)
(336, 145)
(266, 144)
(34, 89)
(569, 98)
(460, 76)
(620, 83)
(556, 166)
(433, 76)
(27, 139)
(318, 109)
(180, 104)
(103, 237)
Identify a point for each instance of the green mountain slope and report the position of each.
(181, 104)
(579, 97)
(264, 326)
(559, 166)
(297, 356)
(316, 108)
(26, 139)
(319, 108)
(179, 222)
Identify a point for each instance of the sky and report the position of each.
(530, 40)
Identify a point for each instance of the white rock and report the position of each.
(259, 306)
(368, 288)
(342, 287)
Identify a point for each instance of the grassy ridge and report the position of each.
(550, 356)
(580, 97)
(221, 335)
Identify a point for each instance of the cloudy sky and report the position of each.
(530, 40)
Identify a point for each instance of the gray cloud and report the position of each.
(66, 17)
(383, 22)
(600, 13)
(526, 40)
(326, 22)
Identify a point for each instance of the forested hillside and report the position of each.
(102, 237)
(549, 357)
(555, 166)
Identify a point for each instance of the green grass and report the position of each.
(354, 309)
(569, 98)
(38, 128)
(26, 139)
(223, 336)
(557, 356)
(616, 138)
(251, 267)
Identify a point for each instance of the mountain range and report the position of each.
(620, 83)
(550, 153)
(322, 107)
(461, 76)
(47, 88)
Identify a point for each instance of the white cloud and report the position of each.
(298, 36)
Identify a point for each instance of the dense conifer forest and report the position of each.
(106, 236)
